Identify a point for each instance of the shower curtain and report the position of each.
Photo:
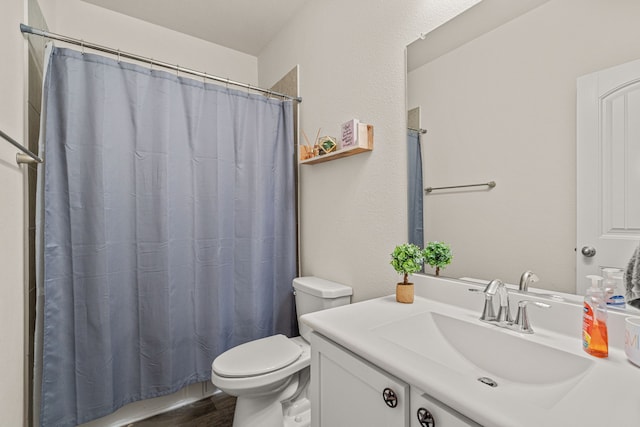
(415, 188)
(169, 231)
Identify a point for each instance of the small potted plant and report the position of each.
(406, 259)
(438, 255)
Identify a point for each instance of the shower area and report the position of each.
(211, 201)
(415, 185)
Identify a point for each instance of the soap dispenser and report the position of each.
(594, 321)
(613, 288)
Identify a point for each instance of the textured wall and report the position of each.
(12, 221)
(352, 64)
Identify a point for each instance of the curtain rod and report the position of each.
(53, 36)
(20, 158)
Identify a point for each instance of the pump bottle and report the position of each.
(613, 288)
(594, 321)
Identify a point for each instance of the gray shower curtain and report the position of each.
(169, 231)
(415, 188)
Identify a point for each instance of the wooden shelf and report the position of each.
(365, 145)
(335, 155)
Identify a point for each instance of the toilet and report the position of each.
(270, 376)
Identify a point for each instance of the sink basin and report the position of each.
(508, 356)
(478, 350)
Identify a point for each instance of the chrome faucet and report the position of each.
(503, 318)
(496, 287)
(527, 278)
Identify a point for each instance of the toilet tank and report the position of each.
(314, 294)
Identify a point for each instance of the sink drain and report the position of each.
(488, 381)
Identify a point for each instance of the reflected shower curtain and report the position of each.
(415, 188)
(169, 231)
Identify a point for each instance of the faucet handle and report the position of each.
(493, 287)
(488, 312)
(522, 318)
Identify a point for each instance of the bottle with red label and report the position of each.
(594, 321)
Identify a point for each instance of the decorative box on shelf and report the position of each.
(356, 142)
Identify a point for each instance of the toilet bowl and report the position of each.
(270, 376)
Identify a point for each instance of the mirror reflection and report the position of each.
(496, 90)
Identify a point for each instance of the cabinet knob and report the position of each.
(425, 418)
(390, 397)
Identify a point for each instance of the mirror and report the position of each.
(496, 92)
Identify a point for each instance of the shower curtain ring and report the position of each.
(204, 78)
(151, 63)
(118, 55)
(82, 46)
(227, 83)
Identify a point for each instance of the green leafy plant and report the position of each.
(438, 255)
(406, 259)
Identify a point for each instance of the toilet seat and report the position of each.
(257, 357)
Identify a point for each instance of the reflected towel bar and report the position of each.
(489, 184)
(21, 158)
(419, 130)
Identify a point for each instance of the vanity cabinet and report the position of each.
(347, 391)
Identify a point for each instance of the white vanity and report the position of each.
(433, 363)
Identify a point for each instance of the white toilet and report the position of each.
(270, 376)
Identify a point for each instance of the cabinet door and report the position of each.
(429, 412)
(347, 391)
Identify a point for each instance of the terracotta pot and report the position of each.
(404, 293)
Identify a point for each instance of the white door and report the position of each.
(608, 170)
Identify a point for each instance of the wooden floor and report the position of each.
(216, 411)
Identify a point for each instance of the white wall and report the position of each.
(12, 218)
(85, 21)
(503, 107)
(352, 64)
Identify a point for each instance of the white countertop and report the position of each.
(606, 394)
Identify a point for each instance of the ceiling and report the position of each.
(242, 25)
(481, 18)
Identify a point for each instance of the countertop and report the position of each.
(607, 393)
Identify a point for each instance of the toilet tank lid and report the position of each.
(321, 287)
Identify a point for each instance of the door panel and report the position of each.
(608, 169)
